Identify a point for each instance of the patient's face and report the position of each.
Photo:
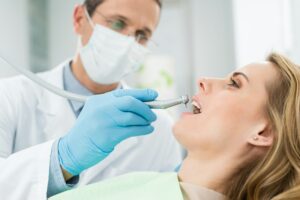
(230, 110)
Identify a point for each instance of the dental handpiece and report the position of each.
(164, 104)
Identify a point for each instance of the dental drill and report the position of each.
(164, 104)
(159, 104)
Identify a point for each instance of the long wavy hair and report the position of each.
(276, 175)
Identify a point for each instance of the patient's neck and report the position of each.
(213, 174)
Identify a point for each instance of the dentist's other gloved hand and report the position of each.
(105, 121)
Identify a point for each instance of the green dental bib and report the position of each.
(133, 186)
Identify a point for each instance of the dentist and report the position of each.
(49, 145)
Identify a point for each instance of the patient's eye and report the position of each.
(233, 83)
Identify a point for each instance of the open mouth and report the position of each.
(196, 107)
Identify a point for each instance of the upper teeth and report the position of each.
(196, 104)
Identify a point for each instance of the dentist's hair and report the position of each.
(92, 5)
(277, 175)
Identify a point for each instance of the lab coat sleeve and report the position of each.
(24, 175)
(57, 183)
(8, 120)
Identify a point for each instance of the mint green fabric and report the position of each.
(133, 186)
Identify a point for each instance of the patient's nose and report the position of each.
(209, 85)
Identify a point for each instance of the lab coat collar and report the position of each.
(71, 84)
(48, 101)
(56, 112)
(55, 77)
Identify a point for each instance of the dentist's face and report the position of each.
(232, 110)
(135, 17)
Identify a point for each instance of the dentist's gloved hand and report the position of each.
(105, 121)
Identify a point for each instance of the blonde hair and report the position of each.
(276, 175)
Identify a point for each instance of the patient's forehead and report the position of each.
(260, 72)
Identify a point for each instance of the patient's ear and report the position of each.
(262, 136)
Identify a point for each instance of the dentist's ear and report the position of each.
(78, 19)
(263, 136)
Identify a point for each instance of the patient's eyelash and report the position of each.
(233, 83)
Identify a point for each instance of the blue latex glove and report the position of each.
(105, 121)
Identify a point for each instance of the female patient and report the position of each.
(243, 142)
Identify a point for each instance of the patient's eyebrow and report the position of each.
(241, 74)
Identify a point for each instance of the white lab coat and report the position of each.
(31, 118)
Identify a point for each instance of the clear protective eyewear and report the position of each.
(120, 25)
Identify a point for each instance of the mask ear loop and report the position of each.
(89, 17)
(90, 22)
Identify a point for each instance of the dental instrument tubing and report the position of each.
(159, 104)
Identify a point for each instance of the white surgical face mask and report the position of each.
(109, 56)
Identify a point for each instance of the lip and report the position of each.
(197, 100)
(184, 114)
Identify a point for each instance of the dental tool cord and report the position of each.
(80, 98)
(48, 86)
